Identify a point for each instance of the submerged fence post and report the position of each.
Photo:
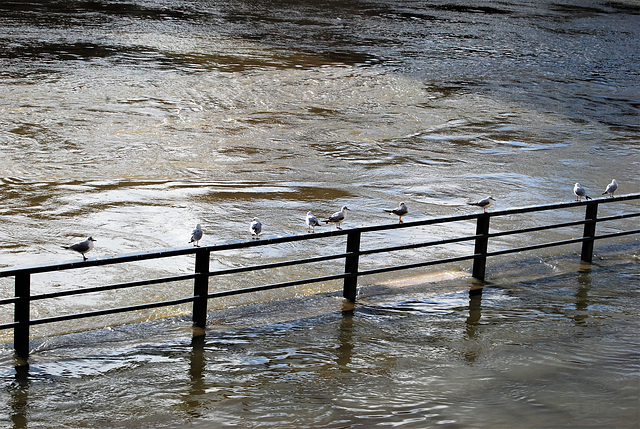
(589, 231)
(22, 315)
(351, 266)
(201, 288)
(480, 250)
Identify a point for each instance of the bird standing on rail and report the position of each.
(399, 211)
(196, 236)
(611, 188)
(82, 247)
(580, 192)
(255, 228)
(338, 217)
(485, 203)
(312, 221)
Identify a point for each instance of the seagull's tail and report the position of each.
(388, 211)
(66, 247)
(587, 197)
(605, 193)
(473, 204)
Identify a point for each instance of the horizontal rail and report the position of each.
(105, 312)
(9, 325)
(240, 244)
(416, 265)
(536, 246)
(617, 234)
(351, 256)
(277, 264)
(418, 245)
(231, 292)
(184, 300)
(113, 286)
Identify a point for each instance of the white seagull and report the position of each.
(338, 217)
(196, 236)
(311, 222)
(255, 228)
(82, 247)
(580, 192)
(484, 203)
(399, 211)
(611, 188)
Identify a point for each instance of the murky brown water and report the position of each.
(132, 122)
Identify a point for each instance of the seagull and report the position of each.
(256, 228)
(484, 203)
(311, 222)
(611, 188)
(338, 217)
(399, 211)
(82, 247)
(196, 235)
(580, 192)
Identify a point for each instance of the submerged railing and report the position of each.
(351, 256)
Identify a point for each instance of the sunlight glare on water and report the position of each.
(134, 121)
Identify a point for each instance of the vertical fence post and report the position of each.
(351, 266)
(22, 315)
(201, 288)
(480, 250)
(589, 231)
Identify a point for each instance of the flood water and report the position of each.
(132, 121)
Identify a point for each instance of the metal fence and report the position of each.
(351, 256)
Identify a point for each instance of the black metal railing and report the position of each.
(202, 273)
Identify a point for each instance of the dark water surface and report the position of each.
(132, 121)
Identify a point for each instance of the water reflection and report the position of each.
(20, 397)
(197, 386)
(345, 340)
(475, 302)
(582, 297)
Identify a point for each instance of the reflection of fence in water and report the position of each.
(349, 259)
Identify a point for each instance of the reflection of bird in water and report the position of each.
(82, 247)
(611, 188)
(484, 203)
(255, 228)
(311, 222)
(399, 211)
(580, 192)
(338, 217)
(196, 235)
